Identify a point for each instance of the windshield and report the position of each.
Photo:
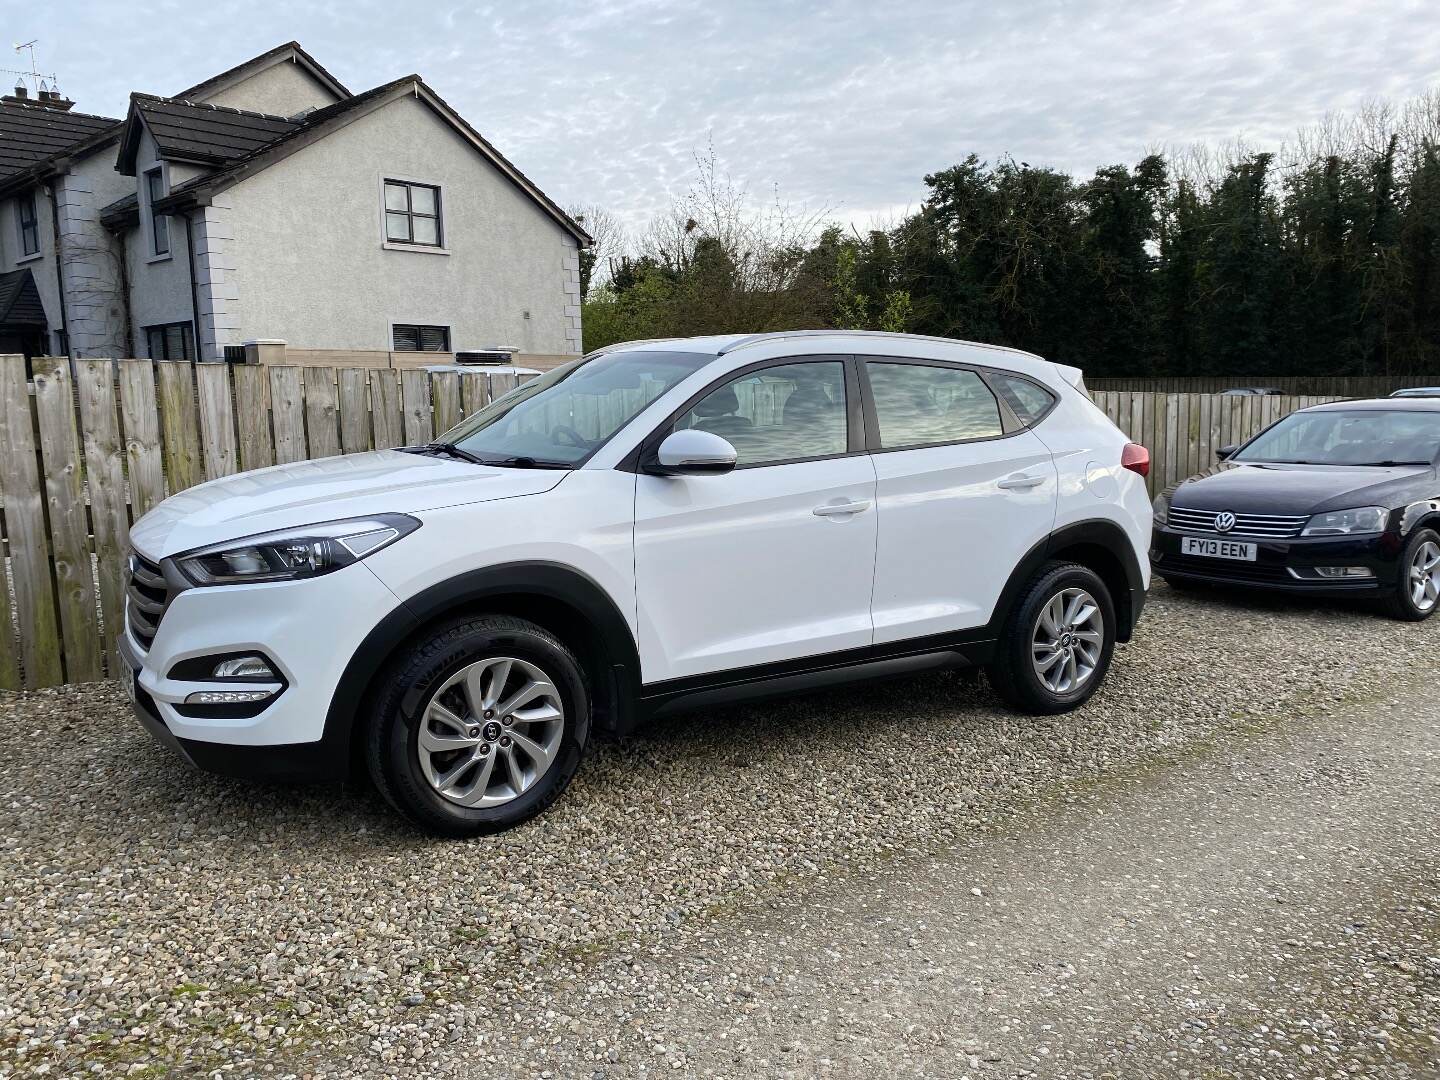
(1349, 437)
(565, 415)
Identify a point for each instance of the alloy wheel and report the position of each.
(1425, 576)
(490, 732)
(1067, 640)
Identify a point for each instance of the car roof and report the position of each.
(720, 344)
(1386, 404)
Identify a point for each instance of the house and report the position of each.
(269, 212)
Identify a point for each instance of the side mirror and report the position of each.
(692, 452)
(1225, 452)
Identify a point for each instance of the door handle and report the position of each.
(1020, 482)
(842, 509)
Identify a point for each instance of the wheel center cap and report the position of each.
(1066, 640)
(491, 731)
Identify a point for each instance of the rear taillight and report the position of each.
(1135, 458)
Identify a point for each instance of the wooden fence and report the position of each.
(1328, 385)
(1183, 431)
(87, 448)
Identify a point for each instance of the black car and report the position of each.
(1339, 498)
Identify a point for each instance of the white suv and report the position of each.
(661, 524)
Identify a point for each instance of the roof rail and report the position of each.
(781, 335)
(622, 344)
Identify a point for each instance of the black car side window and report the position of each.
(1029, 400)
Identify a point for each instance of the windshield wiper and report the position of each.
(451, 450)
(1389, 464)
(524, 461)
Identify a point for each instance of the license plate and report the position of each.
(132, 687)
(1217, 549)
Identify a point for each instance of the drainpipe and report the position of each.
(59, 258)
(128, 319)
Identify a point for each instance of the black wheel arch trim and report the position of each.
(1094, 532)
(537, 580)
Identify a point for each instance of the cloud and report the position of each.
(844, 106)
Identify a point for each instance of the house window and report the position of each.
(171, 341)
(159, 223)
(412, 213)
(29, 224)
(422, 338)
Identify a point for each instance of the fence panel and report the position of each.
(32, 575)
(354, 402)
(69, 524)
(141, 423)
(252, 411)
(287, 407)
(178, 425)
(321, 413)
(217, 420)
(105, 476)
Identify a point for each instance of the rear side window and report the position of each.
(1029, 401)
(790, 412)
(921, 405)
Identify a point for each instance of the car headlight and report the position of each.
(1362, 519)
(292, 554)
(1161, 506)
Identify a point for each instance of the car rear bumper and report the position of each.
(1280, 565)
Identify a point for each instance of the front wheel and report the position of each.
(1418, 592)
(479, 726)
(1056, 644)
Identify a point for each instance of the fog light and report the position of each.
(227, 697)
(1343, 571)
(244, 667)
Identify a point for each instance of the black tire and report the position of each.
(1399, 604)
(1012, 672)
(391, 748)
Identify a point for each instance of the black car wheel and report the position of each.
(1418, 592)
(1055, 648)
(479, 726)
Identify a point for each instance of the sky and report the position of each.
(840, 108)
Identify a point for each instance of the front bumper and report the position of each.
(308, 629)
(1275, 560)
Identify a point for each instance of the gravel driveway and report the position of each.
(151, 916)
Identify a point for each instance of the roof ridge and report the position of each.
(137, 96)
(40, 106)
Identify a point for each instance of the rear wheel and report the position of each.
(1418, 592)
(1056, 645)
(479, 727)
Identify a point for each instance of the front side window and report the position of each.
(29, 224)
(412, 213)
(791, 412)
(159, 223)
(567, 414)
(170, 341)
(924, 404)
(1349, 437)
(411, 338)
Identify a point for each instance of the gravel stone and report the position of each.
(155, 917)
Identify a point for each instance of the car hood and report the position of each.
(325, 489)
(1297, 489)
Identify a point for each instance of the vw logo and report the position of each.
(1224, 521)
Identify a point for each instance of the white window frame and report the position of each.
(22, 256)
(442, 219)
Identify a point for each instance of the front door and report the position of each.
(773, 561)
(963, 496)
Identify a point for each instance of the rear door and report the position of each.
(773, 561)
(963, 489)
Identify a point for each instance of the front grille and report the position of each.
(146, 598)
(1261, 526)
(1228, 569)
